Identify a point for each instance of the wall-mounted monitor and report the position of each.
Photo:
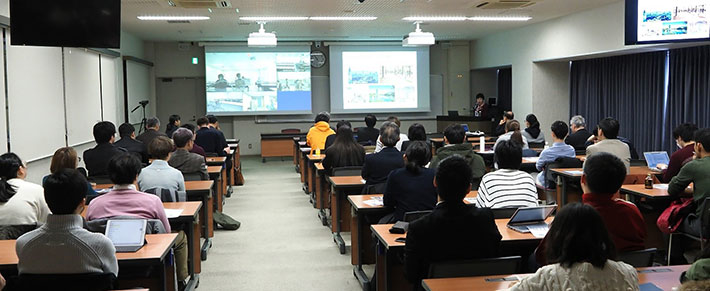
(660, 21)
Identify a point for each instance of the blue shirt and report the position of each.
(549, 155)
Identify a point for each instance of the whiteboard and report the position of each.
(83, 94)
(138, 81)
(35, 100)
(111, 95)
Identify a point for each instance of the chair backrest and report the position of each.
(414, 215)
(561, 162)
(370, 148)
(168, 195)
(346, 171)
(580, 152)
(480, 267)
(704, 217)
(100, 179)
(290, 130)
(153, 226)
(15, 231)
(196, 176)
(638, 259)
(503, 212)
(536, 145)
(84, 282)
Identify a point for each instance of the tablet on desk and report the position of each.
(127, 235)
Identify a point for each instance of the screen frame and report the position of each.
(336, 77)
(246, 49)
(631, 27)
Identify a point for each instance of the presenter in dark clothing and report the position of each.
(411, 188)
(209, 138)
(368, 135)
(379, 165)
(129, 143)
(480, 109)
(96, 159)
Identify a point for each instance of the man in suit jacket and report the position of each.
(209, 138)
(606, 141)
(97, 158)
(185, 161)
(152, 130)
(128, 142)
(379, 165)
(580, 135)
(453, 231)
(368, 135)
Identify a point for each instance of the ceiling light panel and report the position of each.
(173, 18)
(500, 18)
(272, 18)
(435, 18)
(343, 18)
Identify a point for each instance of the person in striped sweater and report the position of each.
(508, 187)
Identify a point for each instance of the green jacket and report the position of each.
(695, 172)
(464, 150)
(700, 270)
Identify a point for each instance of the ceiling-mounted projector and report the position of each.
(418, 38)
(261, 38)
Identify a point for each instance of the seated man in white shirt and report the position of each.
(605, 140)
(402, 137)
(80, 251)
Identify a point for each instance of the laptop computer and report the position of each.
(530, 217)
(127, 235)
(655, 158)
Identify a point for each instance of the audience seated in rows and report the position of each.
(402, 137)
(558, 131)
(129, 142)
(66, 158)
(696, 172)
(454, 230)
(21, 202)
(454, 137)
(512, 131)
(214, 124)
(152, 130)
(173, 125)
(80, 251)
(319, 132)
(581, 254)
(532, 132)
(368, 135)
(605, 140)
(125, 200)
(411, 188)
(685, 140)
(416, 132)
(196, 149)
(185, 161)
(209, 138)
(329, 140)
(159, 174)
(344, 152)
(508, 187)
(507, 116)
(97, 158)
(579, 136)
(378, 166)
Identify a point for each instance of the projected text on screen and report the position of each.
(379, 79)
(264, 82)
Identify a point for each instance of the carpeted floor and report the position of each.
(281, 244)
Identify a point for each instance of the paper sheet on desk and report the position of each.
(374, 202)
(470, 200)
(574, 172)
(661, 186)
(363, 181)
(539, 232)
(172, 213)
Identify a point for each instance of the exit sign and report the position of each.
(195, 61)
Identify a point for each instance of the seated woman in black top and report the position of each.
(411, 188)
(416, 132)
(345, 151)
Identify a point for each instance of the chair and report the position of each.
(478, 267)
(580, 152)
(100, 179)
(503, 212)
(291, 130)
(15, 231)
(99, 225)
(85, 282)
(347, 171)
(168, 195)
(561, 162)
(414, 215)
(370, 149)
(704, 222)
(638, 259)
(196, 176)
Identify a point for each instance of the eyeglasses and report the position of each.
(78, 159)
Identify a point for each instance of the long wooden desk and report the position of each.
(189, 222)
(155, 253)
(360, 243)
(339, 211)
(573, 175)
(663, 277)
(320, 195)
(310, 166)
(216, 174)
(277, 144)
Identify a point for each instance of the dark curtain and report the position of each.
(505, 89)
(688, 90)
(628, 88)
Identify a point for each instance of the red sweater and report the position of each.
(676, 162)
(622, 219)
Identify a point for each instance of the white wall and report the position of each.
(551, 91)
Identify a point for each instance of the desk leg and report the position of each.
(321, 201)
(302, 168)
(169, 276)
(195, 250)
(381, 268)
(335, 213)
(357, 252)
(318, 188)
(311, 177)
(208, 227)
(563, 198)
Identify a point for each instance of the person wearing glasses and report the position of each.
(21, 202)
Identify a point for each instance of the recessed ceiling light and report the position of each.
(272, 18)
(330, 18)
(177, 18)
(435, 18)
(500, 18)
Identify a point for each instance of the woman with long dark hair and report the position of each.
(416, 132)
(345, 151)
(532, 131)
(512, 132)
(21, 202)
(173, 125)
(411, 188)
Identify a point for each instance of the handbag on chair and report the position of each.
(671, 218)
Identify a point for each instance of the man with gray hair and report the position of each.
(579, 135)
(152, 130)
(185, 161)
(378, 166)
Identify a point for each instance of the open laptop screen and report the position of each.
(531, 214)
(126, 232)
(655, 158)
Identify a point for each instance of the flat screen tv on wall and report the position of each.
(661, 21)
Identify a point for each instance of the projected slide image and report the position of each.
(262, 81)
(672, 20)
(379, 79)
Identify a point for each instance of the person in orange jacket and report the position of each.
(320, 131)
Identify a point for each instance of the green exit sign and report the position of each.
(195, 61)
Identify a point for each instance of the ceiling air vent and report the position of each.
(504, 4)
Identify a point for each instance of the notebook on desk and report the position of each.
(655, 158)
(526, 218)
(127, 235)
